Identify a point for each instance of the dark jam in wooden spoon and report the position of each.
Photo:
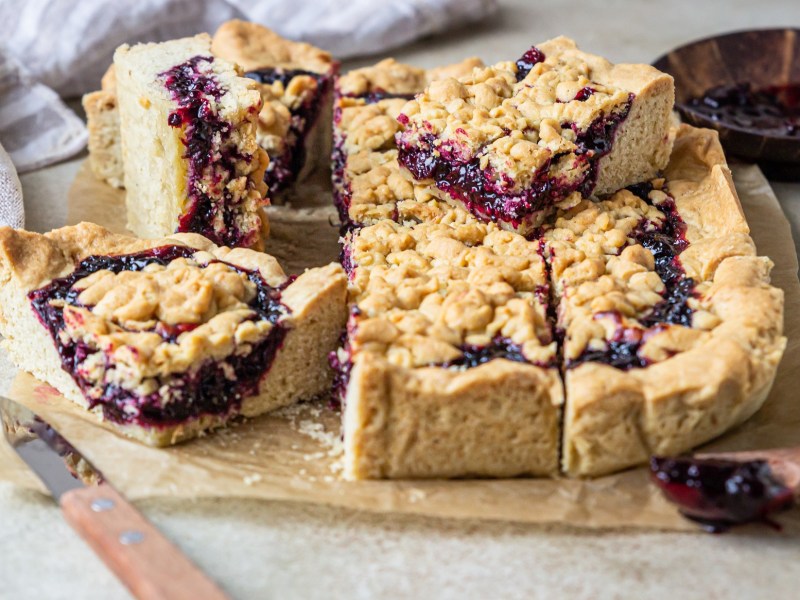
(719, 493)
(773, 110)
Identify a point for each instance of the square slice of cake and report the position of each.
(102, 120)
(449, 363)
(166, 338)
(368, 184)
(295, 80)
(672, 332)
(189, 149)
(512, 141)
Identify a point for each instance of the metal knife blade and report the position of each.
(42, 448)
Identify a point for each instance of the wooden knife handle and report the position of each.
(149, 564)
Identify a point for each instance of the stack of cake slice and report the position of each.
(295, 81)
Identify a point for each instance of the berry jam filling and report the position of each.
(665, 241)
(214, 388)
(719, 493)
(527, 61)
(341, 187)
(376, 95)
(487, 194)
(210, 151)
(284, 168)
(341, 362)
(773, 110)
(473, 356)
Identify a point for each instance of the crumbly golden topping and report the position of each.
(516, 127)
(165, 320)
(606, 282)
(253, 46)
(392, 77)
(376, 187)
(275, 117)
(426, 291)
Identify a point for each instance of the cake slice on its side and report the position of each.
(188, 131)
(170, 337)
(449, 363)
(672, 332)
(368, 184)
(102, 120)
(295, 80)
(512, 141)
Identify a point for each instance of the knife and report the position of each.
(144, 560)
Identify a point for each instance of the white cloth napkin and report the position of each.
(11, 210)
(64, 46)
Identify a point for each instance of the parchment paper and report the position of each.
(294, 454)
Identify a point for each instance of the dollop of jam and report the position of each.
(213, 388)
(720, 493)
(773, 110)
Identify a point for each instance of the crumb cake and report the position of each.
(188, 133)
(166, 338)
(671, 332)
(449, 365)
(651, 306)
(102, 120)
(367, 182)
(295, 80)
(512, 141)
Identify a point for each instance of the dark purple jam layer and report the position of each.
(489, 196)
(474, 356)
(377, 95)
(205, 138)
(665, 241)
(341, 186)
(721, 493)
(342, 367)
(773, 110)
(213, 388)
(284, 168)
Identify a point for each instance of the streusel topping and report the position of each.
(392, 77)
(253, 46)
(517, 123)
(612, 298)
(164, 319)
(368, 182)
(423, 293)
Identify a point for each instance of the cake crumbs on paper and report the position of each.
(416, 494)
(251, 479)
(314, 456)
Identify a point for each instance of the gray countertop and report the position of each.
(284, 550)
